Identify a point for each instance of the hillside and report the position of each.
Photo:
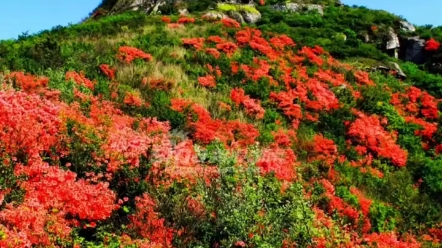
(135, 130)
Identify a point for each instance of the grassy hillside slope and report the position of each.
(150, 131)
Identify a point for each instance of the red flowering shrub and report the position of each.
(252, 106)
(428, 129)
(324, 150)
(263, 46)
(280, 161)
(432, 45)
(364, 202)
(52, 195)
(128, 54)
(183, 166)
(336, 204)
(175, 25)
(165, 19)
(284, 138)
(228, 47)
(207, 81)
(215, 70)
(312, 54)
(389, 240)
(286, 103)
(80, 79)
(133, 99)
(205, 129)
(212, 51)
(28, 82)
(260, 69)
(230, 23)
(216, 39)
(244, 36)
(415, 104)
(325, 99)
(363, 78)
(29, 125)
(184, 20)
(108, 71)
(68, 195)
(196, 43)
(148, 225)
(368, 131)
(281, 42)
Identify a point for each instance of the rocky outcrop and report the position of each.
(393, 40)
(236, 16)
(147, 6)
(367, 38)
(183, 12)
(413, 50)
(436, 68)
(393, 43)
(240, 12)
(407, 27)
(251, 17)
(214, 15)
(296, 7)
(398, 70)
(392, 68)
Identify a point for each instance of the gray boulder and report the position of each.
(183, 12)
(367, 38)
(251, 17)
(407, 27)
(214, 15)
(414, 50)
(398, 70)
(296, 7)
(236, 16)
(387, 69)
(393, 40)
(146, 5)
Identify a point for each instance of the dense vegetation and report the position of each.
(167, 131)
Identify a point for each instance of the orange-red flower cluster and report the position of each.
(184, 20)
(108, 71)
(207, 81)
(196, 43)
(205, 129)
(432, 45)
(80, 79)
(128, 54)
(28, 82)
(133, 99)
(165, 19)
(281, 161)
(252, 106)
(148, 225)
(230, 23)
(368, 131)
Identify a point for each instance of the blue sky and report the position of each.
(419, 12)
(19, 16)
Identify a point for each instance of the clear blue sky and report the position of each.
(19, 16)
(418, 12)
